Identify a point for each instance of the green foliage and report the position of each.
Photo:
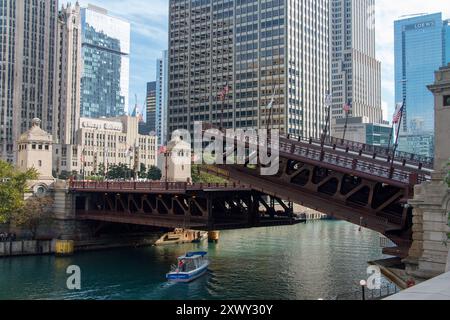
(201, 177)
(101, 170)
(96, 178)
(13, 184)
(35, 212)
(65, 175)
(154, 173)
(142, 171)
(120, 171)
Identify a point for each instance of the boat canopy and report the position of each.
(194, 254)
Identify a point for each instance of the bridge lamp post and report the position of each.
(363, 284)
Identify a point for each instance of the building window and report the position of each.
(447, 101)
(40, 163)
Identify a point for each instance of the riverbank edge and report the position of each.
(27, 248)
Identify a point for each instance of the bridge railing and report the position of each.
(152, 186)
(374, 151)
(366, 167)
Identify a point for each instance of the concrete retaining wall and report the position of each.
(24, 248)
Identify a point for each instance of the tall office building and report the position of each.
(28, 60)
(261, 50)
(67, 115)
(151, 108)
(356, 73)
(446, 41)
(421, 46)
(162, 74)
(106, 50)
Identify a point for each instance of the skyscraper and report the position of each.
(151, 108)
(421, 44)
(28, 60)
(106, 50)
(67, 115)
(446, 41)
(259, 50)
(69, 74)
(162, 74)
(356, 73)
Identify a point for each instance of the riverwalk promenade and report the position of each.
(435, 289)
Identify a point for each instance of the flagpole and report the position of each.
(390, 137)
(328, 102)
(397, 137)
(269, 120)
(346, 125)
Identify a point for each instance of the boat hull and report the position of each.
(185, 277)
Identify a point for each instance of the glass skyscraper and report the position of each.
(106, 50)
(447, 41)
(421, 48)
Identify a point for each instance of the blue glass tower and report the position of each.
(447, 41)
(105, 52)
(420, 50)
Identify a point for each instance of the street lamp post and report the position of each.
(347, 108)
(363, 284)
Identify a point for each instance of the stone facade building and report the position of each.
(106, 142)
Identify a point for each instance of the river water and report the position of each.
(317, 260)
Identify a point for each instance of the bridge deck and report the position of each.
(154, 187)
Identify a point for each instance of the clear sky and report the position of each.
(149, 23)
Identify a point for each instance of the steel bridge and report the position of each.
(176, 205)
(362, 184)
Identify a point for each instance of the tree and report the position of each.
(201, 177)
(154, 173)
(120, 171)
(13, 185)
(101, 170)
(64, 175)
(35, 212)
(142, 172)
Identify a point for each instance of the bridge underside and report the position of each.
(201, 210)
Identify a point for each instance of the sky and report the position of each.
(149, 37)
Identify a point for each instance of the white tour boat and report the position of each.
(190, 267)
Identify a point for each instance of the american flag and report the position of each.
(398, 112)
(83, 156)
(347, 106)
(225, 91)
(272, 101)
(162, 150)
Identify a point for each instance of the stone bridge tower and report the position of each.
(429, 253)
